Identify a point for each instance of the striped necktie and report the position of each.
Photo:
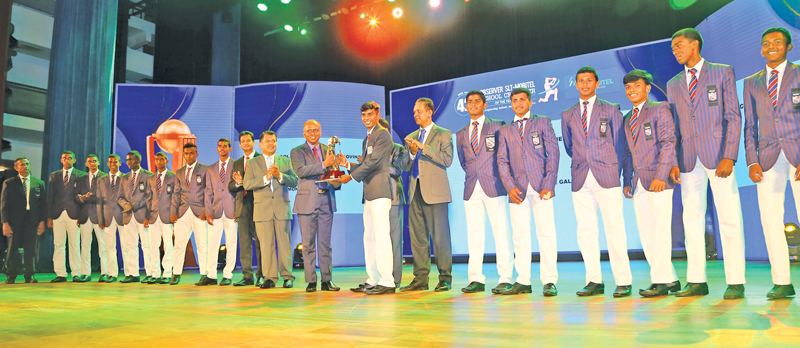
(583, 117)
(113, 181)
(521, 127)
(222, 172)
(188, 174)
(693, 83)
(773, 87)
(25, 189)
(473, 138)
(91, 180)
(133, 182)
(158, 182)
(633, 121)
(66, 178)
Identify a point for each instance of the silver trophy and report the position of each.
(332, 173)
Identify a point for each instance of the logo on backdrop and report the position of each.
(550, 89)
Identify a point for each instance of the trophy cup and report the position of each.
(332, 173)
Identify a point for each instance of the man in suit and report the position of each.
(593, 136)
(650, 135)
(527, 158)
(23, 214)
(90, 220)
(163, 185)
(484, 194)
(63, 214)
(190, 205)
(771, 110)
(109, 191)
(314, 205)
(269, 177)
(4, 175)
(135, 202)
(243, 213)
(429, 154)
(221, 215)
(398, 202)
(706, 111)
(373, 172)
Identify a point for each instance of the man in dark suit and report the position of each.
(135, 201)
(163, 185)
(705, 107)
(63, 214)
(314, 205)
(5, 174)
(221, 216)
(429, 152)
(269, 178)
(23, 214)
(772, 111)
(109, 191)
(243, 213)
(373, 172)
(398, 202)
(594, 139)
(91, 219)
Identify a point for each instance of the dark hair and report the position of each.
(267, 132)
(93, 155)
(21, 159)
(68, 152)
(370, 105)
(786, 34)
(113, 155)
(189, 146)
(243, 133)
(428, 103)
(384, 123)
(521, 90)
(137, 154)
(636, 75)
(476, 92)
(587, 69)
(162, 154)
(226, 140)
(690, 34)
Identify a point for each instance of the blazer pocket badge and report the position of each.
(796, 98)
(713, 98)
(491, 144)
(169, 189)
(648, 131)
(141, 187)
(369, 150)
(199, 179)
(37, 192)
(536, 139)
(603, 127)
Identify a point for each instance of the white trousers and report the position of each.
(231, 245)
(694, 187)
(186, 225)
(378, 242)
(544, 217)
(132, 233)
(609, 200)
(477, 207)
(66, 229)
(159, 232)
(110, 237)
(771, 195)
(654, 220)
(86, 248)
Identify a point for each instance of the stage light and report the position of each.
(363, 15)
(391, 0)
(435, 3)
(286, 1)
(397, 12)
(223, 253)
(303, 31)
(262, 7)
(298, 257)
(288, 27)
(373, 21)
(792, 240)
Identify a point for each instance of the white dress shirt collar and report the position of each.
(527, 115)
(697, 67)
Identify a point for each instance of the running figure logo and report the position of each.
(550, 88)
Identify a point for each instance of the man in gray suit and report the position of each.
(109, 191)
(398, 202)
(135, 202)
(429, 154)
(90, 220)
(269, 177)
(243, 213)
(314, 205)
(373, 171)
(163, 185)
(190, 205)
(221, 215)
(62, 216)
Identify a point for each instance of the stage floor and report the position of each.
(140, 315)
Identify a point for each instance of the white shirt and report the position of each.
(162, 176)
(113, 178)
(26, 182)
(67, 173)
(589, 109)
(697, 67)
(781, 68)
(427, 135)
(480, 121)
(527, 115)
(92, 178)
(267, 161)
(227, 166)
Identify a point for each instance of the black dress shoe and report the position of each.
(516, 289)
(244, 282)
(288, 283)
(734, 292)
(80, 279)
(59, 280)
(655, 290)
(176, 278)
(11, 279)
(200, 281)
(415, 286)
(674, 286)
(474, 287)
(622, 291)
(86, 278)
(362, 287)
(259, 282)
(268, 284)
(31, 280)
(592, 289)
(164, 280)
(550, 290)
(312, 287)
(225, 282)
(693, 289)
(103, 278)
(329, 286)
(126, 280)
(111, 279)
(153, 280)
(380, 290)
(135, 279)
(781, 291)
(499, 288)
(443, 286)
(146, 280)
(76, 279)
(206, 281)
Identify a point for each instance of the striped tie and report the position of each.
(773, 87)
(133, 182)
(113, 182)
(158, 183)
(583, 117)
(91, 180)
(222, 172)
(66, 178)
(693, 83)
(633, 122)
(188, 172)
(25, 186)
(521, 127)
(473, 138)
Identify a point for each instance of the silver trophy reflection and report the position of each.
(332, 173)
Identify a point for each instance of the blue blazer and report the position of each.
(480, 166)
(532, 160)
(653, 152)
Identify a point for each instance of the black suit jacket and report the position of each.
(62, 198)
(241, 198)
(13, 205)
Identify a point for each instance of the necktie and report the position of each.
(133, 182)
(66, 178)
(222, 172)
(693, 83)
(246, 158)
(25, 189)
(583, 117)
(158, 182)
(419, 154)
(633, 121)
(91, 180)
(113, 181)
(320, 185)
(521, 127)
(269, 164)
(188, 174)
(773, 87)
(473, 138)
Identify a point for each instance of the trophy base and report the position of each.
(331, 176)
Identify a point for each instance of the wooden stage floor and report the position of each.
(140, 315)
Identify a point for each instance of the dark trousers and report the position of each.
(247, 233)
(429, 219)
(316, 231)
(396, 234)
(22, 237)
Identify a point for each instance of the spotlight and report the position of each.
(397, 12)
(223, 252)
(303, 31)
(793, 240)
(298, 257)
(391, 0)
(363, 15)
(288, 27)
(286, 1)
(435, 3)
(262, 7)
(373, 21)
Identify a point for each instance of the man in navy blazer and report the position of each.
(706, 110)
(594, 138)
(528, 163)
(772, 146)
(484, 194)
(650, 135)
